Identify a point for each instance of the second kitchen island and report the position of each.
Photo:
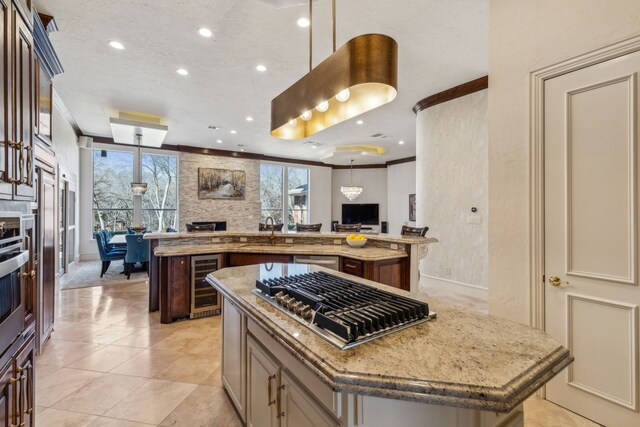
(461, 369)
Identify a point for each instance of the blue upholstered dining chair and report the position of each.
(137, 252)
(107, 253)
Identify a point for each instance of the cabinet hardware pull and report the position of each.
(351, 265)
(279, 402)
(31, 274)
(21, 162)
(22, 411)
(30, 391)
(29, 165)
(14, 392)
(271, 402)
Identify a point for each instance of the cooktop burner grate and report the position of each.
(350, 311)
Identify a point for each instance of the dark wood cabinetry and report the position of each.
(47, 252)
(16, 120)
(390, 272)
(29, 274)
(17, 392)
(175, 289)
(237, 260)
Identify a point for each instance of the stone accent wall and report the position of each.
(241, 215)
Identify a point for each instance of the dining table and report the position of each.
(118, 240)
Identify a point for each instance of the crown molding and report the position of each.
(452, 93)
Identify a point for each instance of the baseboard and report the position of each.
(459, 287)
(89, 257)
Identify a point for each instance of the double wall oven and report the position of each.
(12, 291)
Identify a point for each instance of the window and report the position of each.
(160, 202)
(112, 198)
(274, 199)
(114, 207)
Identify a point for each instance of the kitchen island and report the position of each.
(179, 259)
(460, 369)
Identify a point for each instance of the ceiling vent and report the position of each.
(379, 135)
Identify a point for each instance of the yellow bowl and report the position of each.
(356, 243)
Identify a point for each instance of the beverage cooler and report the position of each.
(205, 300)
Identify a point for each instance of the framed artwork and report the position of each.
(221, 184)
(412, 207)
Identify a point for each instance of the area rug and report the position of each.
(87, 274)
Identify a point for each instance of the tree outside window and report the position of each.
(284, 188)
(112, 198)
(160, 202)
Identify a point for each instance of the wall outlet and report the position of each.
(288, 240)
(393, 246)
(243, 239)
(337, 241)
(215, 240)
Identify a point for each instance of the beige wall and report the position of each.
(374, 190)
(401, 181)
(451, 159)
(526, 36)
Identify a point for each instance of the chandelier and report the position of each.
(351, 192)
(139, 188)
(360, 76)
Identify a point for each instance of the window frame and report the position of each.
(137, 200)
(284, 208)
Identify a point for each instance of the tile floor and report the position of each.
(111, 363)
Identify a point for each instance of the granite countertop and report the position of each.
(367, 253)
(390, 238)
(462, 358)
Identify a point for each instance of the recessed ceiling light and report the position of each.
(233, 131)
(182, 72)
(214, 127)
(314, 146)
(205, 32)
(261, 68)
(401, 142)
(219, 141)
(359, 122)
(242, 149)
(249, 118)
(364, 153)
(116, 45)
(303, 22)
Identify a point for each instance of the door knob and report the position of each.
(555, 281)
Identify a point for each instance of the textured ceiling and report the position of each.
(442, 43)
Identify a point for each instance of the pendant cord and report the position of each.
(333, 14)
(352, 172)
(310, 35)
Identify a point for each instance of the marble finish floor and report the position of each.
(111, 363)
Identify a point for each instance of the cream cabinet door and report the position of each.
(591, 237)
(263, 377)
(234, 355)
(299, 408)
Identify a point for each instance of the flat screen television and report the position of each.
(366, 214)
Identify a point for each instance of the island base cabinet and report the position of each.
(234, 329)
(263, 384)
(371, 411)
(298, 409)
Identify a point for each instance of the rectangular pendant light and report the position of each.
(366, 65)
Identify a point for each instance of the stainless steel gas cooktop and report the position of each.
(344, 312)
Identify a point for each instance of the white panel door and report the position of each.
(591, 237)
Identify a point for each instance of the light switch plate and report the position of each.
(288, 240)
(243, 239)
(474, 219)
(394, 246)
(337, 241)
(215, 240)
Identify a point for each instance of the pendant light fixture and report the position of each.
(139, 188)
(358, 77)
(352, 191)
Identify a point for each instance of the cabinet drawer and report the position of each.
(353, 266)
(329, 399)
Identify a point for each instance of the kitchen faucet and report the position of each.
(272, 238)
